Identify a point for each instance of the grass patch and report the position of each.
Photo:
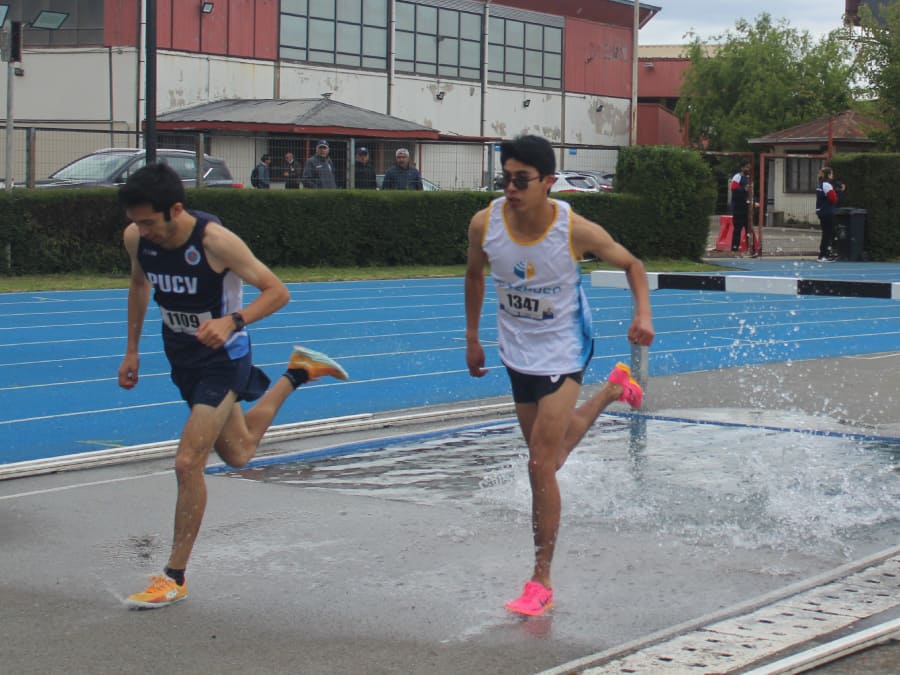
(78, 282)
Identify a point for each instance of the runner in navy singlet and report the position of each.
(195, 268)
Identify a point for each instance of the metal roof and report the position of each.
(848, 126)
(317, 116)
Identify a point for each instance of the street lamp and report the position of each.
(45, 20)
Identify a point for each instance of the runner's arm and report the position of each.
(225, 250)
(476, 260)
(588, 236)
(138, 300)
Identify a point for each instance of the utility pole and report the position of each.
(150, 140)
(12, 54)
(634, 73)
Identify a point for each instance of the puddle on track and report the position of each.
(746, 486)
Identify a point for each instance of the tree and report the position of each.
(761, 78)
(878, 60)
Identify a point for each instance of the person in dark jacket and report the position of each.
(826, 208)
(260, 177)
(363, 172)
(318, 172)
(402, 176)
(740, 202)
(291, 172)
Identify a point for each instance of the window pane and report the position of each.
(347, 59)
(515, 33)
(371, 62)
(426, 48)
(375, 12)
(510, 78)
(404, 66)
(348, 38)
(495, 57)
(426, 68)
(321, 57)
(321, 9)
(532, 81)
(553, 39)
(534, 36)
(552, 66)
(405, 46)
(426, 19)
(448, 71)
(294, 6)
(448, 51)
(470, 26)
(470, 54)
(321, 34)
(293, 31)
(496, 29)
(406, 16)
(514, 60)
(349, 10)
(552, 84)
(534, 63)
(449, 23)
(470, 74)
(293, 54)
(374, 42)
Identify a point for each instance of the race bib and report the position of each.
(183, 322)
(526, 306)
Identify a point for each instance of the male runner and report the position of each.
(196, 267)
(533, 245)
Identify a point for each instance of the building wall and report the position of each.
(657, 126)
(598, 59)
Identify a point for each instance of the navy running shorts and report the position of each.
(532, 388)
(210, 384)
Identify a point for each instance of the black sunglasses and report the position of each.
(518, 182)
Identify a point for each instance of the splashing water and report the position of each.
(730, 486)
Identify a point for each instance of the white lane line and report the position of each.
(77, 486)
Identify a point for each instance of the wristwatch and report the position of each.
(239, 322)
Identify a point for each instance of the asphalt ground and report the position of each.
(287, 580)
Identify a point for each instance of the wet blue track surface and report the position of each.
(402, 343)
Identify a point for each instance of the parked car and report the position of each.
(574, 182)
(427, 185)
(112, 166)
(605, 179)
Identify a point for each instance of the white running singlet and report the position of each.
(543, 319)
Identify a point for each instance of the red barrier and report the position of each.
(726, 230)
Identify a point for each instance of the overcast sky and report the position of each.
(707, 18)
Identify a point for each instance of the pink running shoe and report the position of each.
(534, 601)
(632, 394)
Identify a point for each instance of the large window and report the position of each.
(524, 53)
(438, 41)
(801, 174)
(344, 32)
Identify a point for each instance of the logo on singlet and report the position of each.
(524, 269)
(192, 255)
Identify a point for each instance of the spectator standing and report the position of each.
(291, 172)
(363, 172)
(402, 176)
(826, 209)
(260, 178)
(740, 202)
(318, 173)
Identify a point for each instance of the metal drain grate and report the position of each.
(735, 643)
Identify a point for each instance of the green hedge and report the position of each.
(56, 231)
(871, 180)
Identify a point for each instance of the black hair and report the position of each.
(264, 158)
(155, 184)
(531, 150)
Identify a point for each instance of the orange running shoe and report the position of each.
(161, 592)
(316, 364)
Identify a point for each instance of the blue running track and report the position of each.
(401, 341)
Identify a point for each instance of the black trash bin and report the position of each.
(851, 230)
